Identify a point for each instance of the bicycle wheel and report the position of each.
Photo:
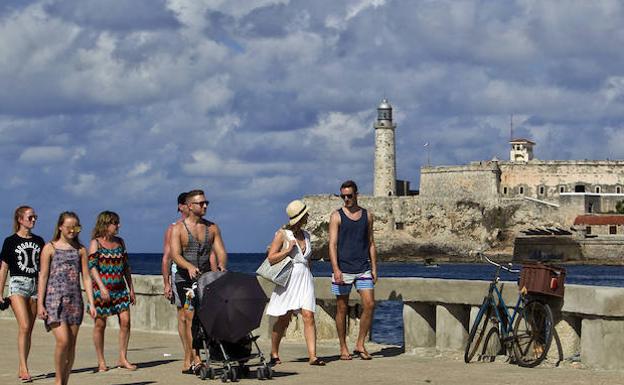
(478, 330)
(492, 345)
(533, 333)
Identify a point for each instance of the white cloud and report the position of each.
(81, 184)
(42, 155)
(139, 169)
(209, 163)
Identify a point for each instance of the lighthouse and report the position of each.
(385, 152)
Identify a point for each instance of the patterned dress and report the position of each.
(63, 298)
(111, 264)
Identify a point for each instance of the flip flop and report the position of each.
(363, 355)
(275, 361)
(189, 370)
(25, 379)
(346, 357)
(317, 362)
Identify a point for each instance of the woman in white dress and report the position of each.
(298, 294)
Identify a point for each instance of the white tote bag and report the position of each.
(278, 273)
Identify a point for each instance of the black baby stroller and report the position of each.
(229, 307)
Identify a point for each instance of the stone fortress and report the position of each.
(487, 205)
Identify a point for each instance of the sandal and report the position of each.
(275, 361)
(317, 362)
(363, 355)
(26, 379)
(346, 357)
(189, 370)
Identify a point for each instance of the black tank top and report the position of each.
(353, 247)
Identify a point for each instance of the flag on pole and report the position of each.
(426, 144)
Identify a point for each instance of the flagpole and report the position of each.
(428, 153)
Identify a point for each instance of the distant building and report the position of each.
(599, 225)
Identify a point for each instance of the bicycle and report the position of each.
(528, 332)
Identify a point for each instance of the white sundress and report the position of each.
(299, 292)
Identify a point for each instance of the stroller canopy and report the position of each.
(231, 305)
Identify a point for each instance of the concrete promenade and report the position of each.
(158, 357)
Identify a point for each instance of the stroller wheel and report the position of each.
(234, 374)
(260, 373)
(203, 372)
(211, 373)
(225, 375)
(269, 372)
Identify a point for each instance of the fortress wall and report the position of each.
(480, 181)
(554, 174)
(423, 226)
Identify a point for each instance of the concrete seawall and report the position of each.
(437, 313)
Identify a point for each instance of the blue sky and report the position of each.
(120, 105)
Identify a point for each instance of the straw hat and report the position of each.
(295, 211)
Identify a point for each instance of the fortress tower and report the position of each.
(521, 150)
(385, 153)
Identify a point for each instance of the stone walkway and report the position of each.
(159, 363)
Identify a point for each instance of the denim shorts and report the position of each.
(24, 286)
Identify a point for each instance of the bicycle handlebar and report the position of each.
(488, 260)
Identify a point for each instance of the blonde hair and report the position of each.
(104, 219)
(57, 233)
(19, 212)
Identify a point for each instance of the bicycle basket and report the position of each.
(542, 279)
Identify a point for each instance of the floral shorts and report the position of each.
(24, 286)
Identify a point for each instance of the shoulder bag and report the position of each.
(278, 273)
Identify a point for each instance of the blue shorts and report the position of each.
(24, 286)
(362, 281)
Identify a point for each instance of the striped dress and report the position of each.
(111, 265)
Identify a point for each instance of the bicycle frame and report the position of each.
(505, 327)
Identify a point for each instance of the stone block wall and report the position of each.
(477, 181)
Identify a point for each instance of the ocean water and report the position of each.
(386, 327)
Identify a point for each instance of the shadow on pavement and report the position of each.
(93, 369)
(151, 364)
(137, 383)
(277, 374)
(391, 351)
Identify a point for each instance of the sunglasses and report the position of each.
(32, 217)
(74, 229)
(202, 203)
(346, 196)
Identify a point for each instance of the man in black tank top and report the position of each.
(353, 257)
(192, 241)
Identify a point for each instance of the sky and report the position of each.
(122, 104)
